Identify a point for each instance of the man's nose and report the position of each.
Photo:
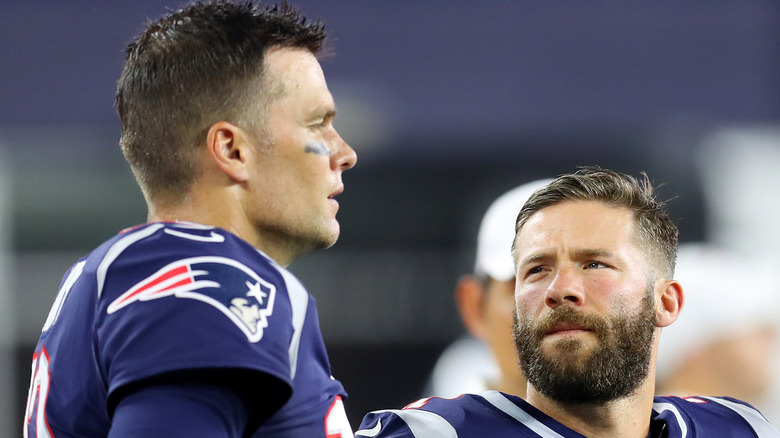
(566, 286)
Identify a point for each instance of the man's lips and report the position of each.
(566, 327)
(337, 192)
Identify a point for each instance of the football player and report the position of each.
(594, 256)
(190, 325)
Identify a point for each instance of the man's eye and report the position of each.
(595, 265)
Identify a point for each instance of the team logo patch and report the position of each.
(224, 283)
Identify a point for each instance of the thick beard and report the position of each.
(617, 366)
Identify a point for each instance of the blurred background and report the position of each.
(448, 104)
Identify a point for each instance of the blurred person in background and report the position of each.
(725, 341)
(190, 325)
(486, 357)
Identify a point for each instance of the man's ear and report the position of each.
(228, 147)
(469, 297)
(669, 302)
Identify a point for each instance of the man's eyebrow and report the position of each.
(322, 113)
(580, 253)
(533, 258)
(594, 252)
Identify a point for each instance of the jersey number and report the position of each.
(36, 397)
(41, 377)
(336, 421)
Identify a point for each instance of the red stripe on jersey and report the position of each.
(163, 277)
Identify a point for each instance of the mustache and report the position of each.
(569, 315)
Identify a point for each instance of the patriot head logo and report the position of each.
(224, 283)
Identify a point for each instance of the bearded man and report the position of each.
(594, 255)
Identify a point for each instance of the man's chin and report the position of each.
(568, 348)
(331, 237)
(306, 244)
(325, 239)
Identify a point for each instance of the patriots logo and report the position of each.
(224, 283)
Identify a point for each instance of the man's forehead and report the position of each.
(579, 211)
(288, 63)
(589, 224)
(298, 83)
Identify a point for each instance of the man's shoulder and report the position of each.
(428, 417)
(495, 414)
(490, 413)
(700, 416)
(178, 237)
(157, 245)
(173, 266)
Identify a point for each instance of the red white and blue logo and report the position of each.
(224, 283)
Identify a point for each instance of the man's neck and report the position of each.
(627, 417)
(221, 216)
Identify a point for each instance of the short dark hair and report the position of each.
(657, 232)
(192, 68)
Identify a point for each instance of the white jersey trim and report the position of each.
(425, 424)
(212, 238)
(63, 293)
(502, 403)
(117, 248)
(299, 302)
(757, 421)
(661, 407)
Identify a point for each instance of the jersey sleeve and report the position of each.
(412, 423)
(173, 306)
(383, 424)
(750, 415)
(180, 411)
(711, 416)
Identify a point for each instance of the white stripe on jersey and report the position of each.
(299, 300)
(757, 421)
(62, 295)
(117, 248)
(498, 400)
(425, 424)
(661, 407)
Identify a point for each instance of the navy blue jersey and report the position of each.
(497, 415)
(170, 302)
